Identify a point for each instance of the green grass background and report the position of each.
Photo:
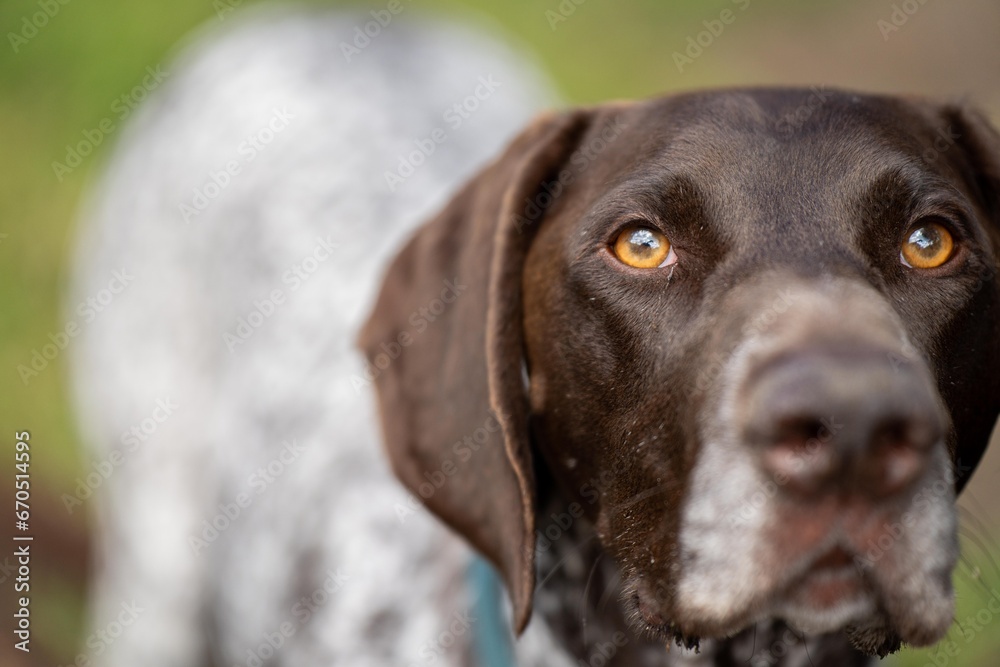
(64, 80)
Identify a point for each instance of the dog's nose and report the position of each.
(828, 420)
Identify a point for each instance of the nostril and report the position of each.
(829, 421)
(799, 433)
(896, 434)
(898, 454)
(798, 452)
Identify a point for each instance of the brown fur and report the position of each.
(616, 359)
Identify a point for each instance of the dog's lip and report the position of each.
(833, 563)
(827, 593)
(821, 581)
(822, 590)
(835, 558)
(648, 613)
(829, 580)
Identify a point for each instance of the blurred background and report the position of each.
(65, 66)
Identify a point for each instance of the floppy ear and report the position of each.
(445, 344)
(978, 160)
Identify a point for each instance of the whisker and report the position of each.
(753, 651)
(562, 561)
(639, 497)
(586, 589)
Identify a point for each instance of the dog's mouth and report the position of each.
(831, 579)
(830, 592)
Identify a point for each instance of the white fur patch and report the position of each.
(732, 569)
(312, 555)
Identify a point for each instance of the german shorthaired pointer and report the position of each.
(700, 376)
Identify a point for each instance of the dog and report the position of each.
(742, 350)
(226, 208)
(677, 369)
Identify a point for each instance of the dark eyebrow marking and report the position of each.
(904, 193)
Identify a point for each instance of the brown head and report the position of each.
(765, 338)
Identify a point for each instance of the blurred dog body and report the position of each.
(249, 517)
(252, 205)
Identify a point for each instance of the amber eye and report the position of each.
(642, 247)
(927, 246)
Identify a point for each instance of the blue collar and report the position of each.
(491, 632)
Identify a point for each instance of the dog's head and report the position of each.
(756, 333)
